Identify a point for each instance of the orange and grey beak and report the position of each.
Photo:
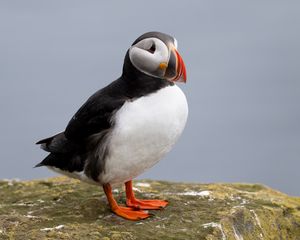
(175, 69)
(181, 71)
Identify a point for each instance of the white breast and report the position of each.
(145, 130)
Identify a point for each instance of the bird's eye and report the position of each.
(152, 48)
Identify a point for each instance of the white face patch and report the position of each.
(148, 54)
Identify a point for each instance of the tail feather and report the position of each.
(49, 139)
(39, 165)
(50, 160)
(46, 140)
(64, 154)
(64, 162)
(58, 144)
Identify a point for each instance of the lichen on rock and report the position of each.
(62, 208)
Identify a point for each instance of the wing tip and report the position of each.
(38, 165)
(42, 141)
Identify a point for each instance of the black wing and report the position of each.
(95, 115)
(69, 149)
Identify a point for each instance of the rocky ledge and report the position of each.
(62, 208)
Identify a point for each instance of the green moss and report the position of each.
(27, 209)
(248, 187)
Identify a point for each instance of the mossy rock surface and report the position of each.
(62, 208)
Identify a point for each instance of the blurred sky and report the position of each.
(243, 63)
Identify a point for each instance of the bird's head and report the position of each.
(155, 54)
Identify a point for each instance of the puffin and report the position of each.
(126, 127)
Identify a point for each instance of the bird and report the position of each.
(126, 127)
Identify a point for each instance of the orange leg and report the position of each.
(131, 201)
(125, 212)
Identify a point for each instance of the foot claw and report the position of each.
(131, 214)
(147, 204)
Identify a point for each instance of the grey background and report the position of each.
(243, 87)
